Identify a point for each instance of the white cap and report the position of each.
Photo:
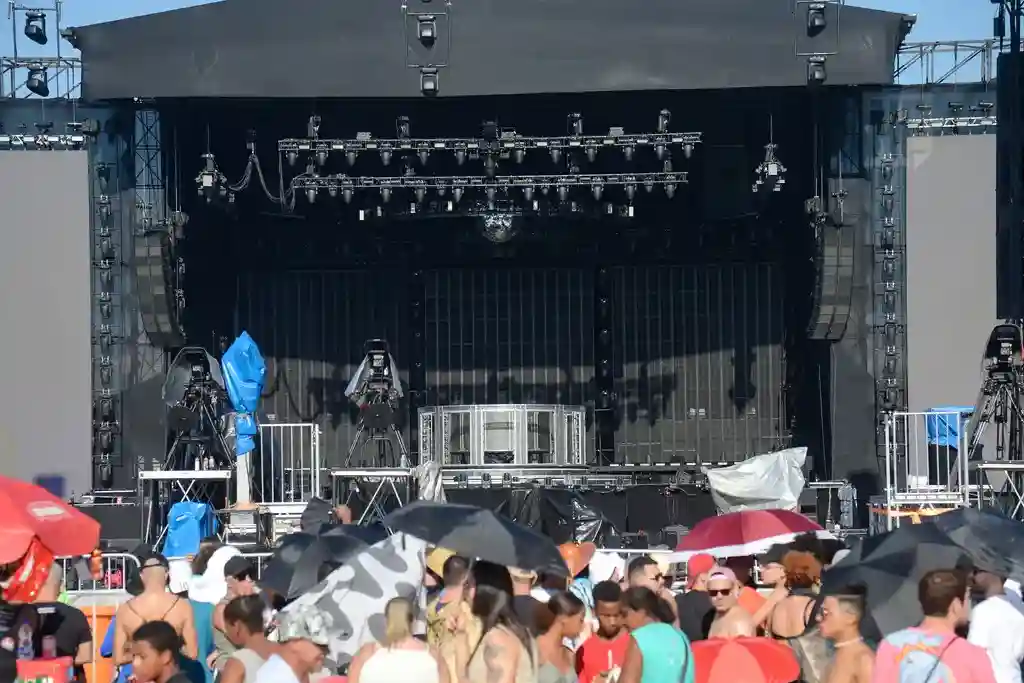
(179, 576)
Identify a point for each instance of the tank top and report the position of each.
(666, 654)
(387, 666)
(251, 662)
(526, 671)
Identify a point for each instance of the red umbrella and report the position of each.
(749, 532)
(750, 660)
(29, 512)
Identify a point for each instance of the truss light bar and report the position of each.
(21, 141)
(951, 124)
(515, 145)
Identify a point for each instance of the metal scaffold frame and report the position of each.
(62, 73)
(943, 61)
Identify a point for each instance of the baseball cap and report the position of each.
(237, 566)
(305, 623)
(697, 565)
(722, 574)
(436, 559)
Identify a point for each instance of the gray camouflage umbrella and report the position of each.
(354, 595)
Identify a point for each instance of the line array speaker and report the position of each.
(155, 287)
(833, 264)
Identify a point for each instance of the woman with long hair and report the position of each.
(504, 652)
(399, 655)
(658, 652)
(560, 619)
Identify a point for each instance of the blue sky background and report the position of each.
(938, 20)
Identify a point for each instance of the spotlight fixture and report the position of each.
(35, 27)
(664, 119)
(575, 124)
(210, 181)
(770, 172)
(816, 73)
(816, 21)
(426, 30)
(403, 129)
(428, 82)
(37, 81)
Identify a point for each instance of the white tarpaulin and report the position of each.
(771, 481)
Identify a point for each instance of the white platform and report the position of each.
(185, 475)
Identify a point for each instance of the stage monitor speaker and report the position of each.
(155, 267)
(834, 260)
(1010, 186)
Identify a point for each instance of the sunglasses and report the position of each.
(719, 593)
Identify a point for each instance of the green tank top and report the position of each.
(667, 657)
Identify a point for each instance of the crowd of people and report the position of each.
(207, 621)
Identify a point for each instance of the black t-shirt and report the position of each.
(179, 677)
(695, 614)
(68, 626)
(523, 605)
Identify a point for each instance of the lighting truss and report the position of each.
(510, 145)
(41, 141)
(442, 185)
(950, 124)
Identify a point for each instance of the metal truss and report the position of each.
(335, 183)
(63, 74)
(508, 145)
(150, 195)
(943, 61)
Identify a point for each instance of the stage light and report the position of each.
(457, 194)
(311, 195)
(428, 82)
(688, 150)
(421, 194)
(403, 129)
(770, 172)
(37, 81)
(887, 170)
(519, 155)
(424, 156)
(350, 157)
(816, 21)
(499, 227)
(385, 194)
(492, 193)
(293, 158)
(628, 152)
(664, 119)
(816, 72)
(321, 157)
(385, 157)
(528, 193)
(490, 165)
(460, 156)
(426, 30)
(670, 190)
(556, 155)
(660, 150)
(346, 195)
(597, 191)
(575, 124)
(35, 27)
(591, 154)
(210, 180)
(630, 192)
(563, 193)
(332, 190)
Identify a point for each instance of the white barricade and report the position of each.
(114, 573)
(925, 460)
(288, 463)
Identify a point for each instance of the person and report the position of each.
(179, 581)
(644, 572)
(997, 625)
(237, 578)
(67, 625)
(558, 620)
(399, 656)
(839, 623)
(442, 609)
(523, 600)
(792, 603)
(694, 605)
(504, 652)
(155, 648)
(657, 652)
(433, 574)
(731, 620)
(749, 599)
(600, 657)
(244, 627)
(303, 648)
(154, 603)
(207, 547)
(932, 651)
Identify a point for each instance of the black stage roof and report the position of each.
(360, 48)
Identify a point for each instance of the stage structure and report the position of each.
(565, 252)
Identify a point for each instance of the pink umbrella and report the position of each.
(749, 532)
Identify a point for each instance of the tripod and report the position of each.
(999, 405)
(377, 425)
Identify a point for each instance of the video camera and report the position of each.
(1004, 351)
(376, 379)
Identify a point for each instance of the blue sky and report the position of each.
(937, 19)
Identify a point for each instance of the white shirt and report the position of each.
(997, 624)
(276, 670)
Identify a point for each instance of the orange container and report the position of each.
(54, 669)
(101, 670)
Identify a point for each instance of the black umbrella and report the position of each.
(478, 533)
(994, 543)
(891, 566)
(302, 561)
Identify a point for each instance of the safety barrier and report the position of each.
(288, 463)
(114, 573)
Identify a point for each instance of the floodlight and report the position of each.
(426, 30)
(816, 73)
(35, 27)
(428, 82)
(664, 119)
(385, 157)
(816, 21)
(37, 81)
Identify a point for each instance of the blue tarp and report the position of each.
(244, 375)
(945, 425)
(188, 523)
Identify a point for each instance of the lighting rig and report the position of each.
(960, 119)
(76, 137)
(771, 174)
(38, 74)
(579, 180)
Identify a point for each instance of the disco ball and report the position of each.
(499, 227)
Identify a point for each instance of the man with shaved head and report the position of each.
(731, 620)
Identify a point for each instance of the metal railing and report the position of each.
(970, 61)
(113, 573)
(287, 465)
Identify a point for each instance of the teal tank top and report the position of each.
(666, 654)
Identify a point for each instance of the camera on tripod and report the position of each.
(1004, 352)
(376, 388)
